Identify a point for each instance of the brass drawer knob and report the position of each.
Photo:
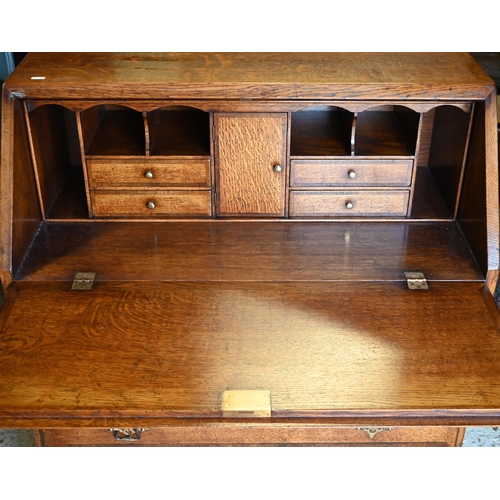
(277, 168)
(348, 205)
(351, 174)
(148, 174)
(151, 204)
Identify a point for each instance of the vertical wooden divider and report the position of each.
(84, 162)
(464, 161)
(415, 164)
(212, 163)
(288, 163)
(34, 160)
(353, 134)
(146, 133)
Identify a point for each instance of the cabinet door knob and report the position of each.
(348, 205)
(148, 174)
(277, 168)
(151, 205)
(351, 174)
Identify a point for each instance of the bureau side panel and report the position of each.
(20, 208)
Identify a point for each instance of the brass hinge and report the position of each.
(252, 403)
(83, 281)
(416, 281)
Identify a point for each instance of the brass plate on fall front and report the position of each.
(251, 403)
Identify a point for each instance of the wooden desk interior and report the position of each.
(249, 219)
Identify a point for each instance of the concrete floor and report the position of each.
(474, 437)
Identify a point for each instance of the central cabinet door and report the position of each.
(250, 155)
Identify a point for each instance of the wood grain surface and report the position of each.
(164, 203)
(26, 213)
(321, 131)
(119, 132)
(317, 313)
(324, 173)
(258, 434)
(180, 132)
(171, 349)
(251, 75)
(250, 251)
(119, 172)
(248, 147)
(492, 198)
(381, 133)
(348, 203)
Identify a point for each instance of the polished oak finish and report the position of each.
(348, 203)
(147, 173)
(249, 147)
(251, 251)
(259, 435)
(137, 349)
(151, 203)
(328, 173)
(250, 220)
(256, 75)
(119, 132)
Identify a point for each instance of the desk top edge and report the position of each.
(261, 75)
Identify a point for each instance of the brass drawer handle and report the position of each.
(373, 431)
(127, 434)
(148, 174)
(151, 204)
(352, 174)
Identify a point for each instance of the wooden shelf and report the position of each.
(120, 132)
(381, 133)
(70, 202)
(249, 251)
(179, 133)
(428, 203)
(324, 131)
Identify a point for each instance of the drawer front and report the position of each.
(254, 434)
(325, 173)
(151, 203)
(348, 203)
(145, 173)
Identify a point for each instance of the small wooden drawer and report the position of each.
(348, 203)
(254, 434)
(327, 173)
(147, 172)
(151, 203)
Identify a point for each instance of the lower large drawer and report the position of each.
(254, 434)
(151, 203)
(348, 203)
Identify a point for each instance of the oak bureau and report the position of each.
(249, 249)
